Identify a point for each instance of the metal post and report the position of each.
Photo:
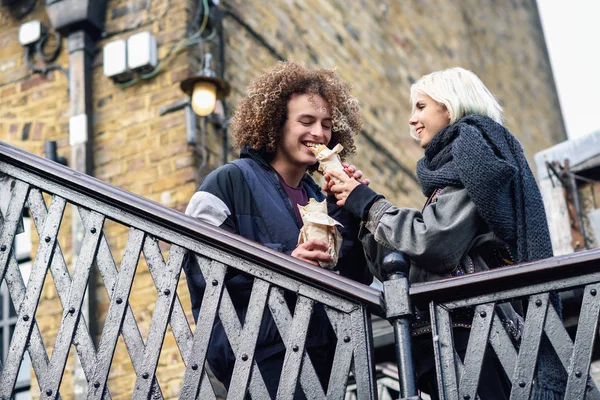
(399, 313)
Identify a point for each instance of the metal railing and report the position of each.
(27, 178)
(530, 283)
(30, 180)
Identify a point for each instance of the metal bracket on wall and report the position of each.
(568, 182)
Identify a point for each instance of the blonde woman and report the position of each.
(483, 211)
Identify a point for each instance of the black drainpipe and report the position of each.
(82, 23)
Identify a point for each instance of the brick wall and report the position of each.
(381, 47)
(384, 46)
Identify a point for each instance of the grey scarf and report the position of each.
(482, 156)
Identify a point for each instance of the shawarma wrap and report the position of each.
(328, 159)
(319, 225)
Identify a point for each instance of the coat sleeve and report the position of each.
(435, 239)
(214, 202)
(351, 262)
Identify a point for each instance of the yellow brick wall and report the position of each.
(134, 149)
(380, 47)
(384, 46)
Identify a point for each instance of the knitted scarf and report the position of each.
(482, 156)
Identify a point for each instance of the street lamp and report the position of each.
(205, 88)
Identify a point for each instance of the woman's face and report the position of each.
(429, 117)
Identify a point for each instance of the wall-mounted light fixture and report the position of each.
(205, 88)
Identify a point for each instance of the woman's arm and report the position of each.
(435, 239)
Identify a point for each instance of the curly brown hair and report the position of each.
(261, 115)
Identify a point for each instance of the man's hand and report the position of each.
(342, 190)
(312, 251)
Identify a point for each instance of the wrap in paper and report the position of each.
(328, 159)
(319, 225)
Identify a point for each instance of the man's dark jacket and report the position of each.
(260, 210)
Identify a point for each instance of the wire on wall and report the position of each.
(195, 38)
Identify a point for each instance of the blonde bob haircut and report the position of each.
(460, 91)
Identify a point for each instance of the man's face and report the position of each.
(308, 123)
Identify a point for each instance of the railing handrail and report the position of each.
(506, 278)
(204, 233)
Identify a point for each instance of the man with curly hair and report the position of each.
(288, 109)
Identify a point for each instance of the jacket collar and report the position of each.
(261, 157)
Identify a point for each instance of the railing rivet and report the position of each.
(244, 357)
(538, 303)
(483, 314)
(167, 292)
(145, 375)
(578, 374)
(347, 339)
(25, 317)
(295, 348)
(96, 385)
(47, 241)
(72, 310)
(522, 384)
(3, 247)
(215, 282)
(119, 300)
(49, 392)
(593, 292)
(93, 230)
(194, 366)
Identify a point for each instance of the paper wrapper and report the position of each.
(319, 225)
(329, 159)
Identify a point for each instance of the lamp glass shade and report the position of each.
(204, 98)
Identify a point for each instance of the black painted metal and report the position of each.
(348, 304)
(482, 323)
(399, 313)
(555, 273)
(584, 343)
(128, 206)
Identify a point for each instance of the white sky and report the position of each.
(572, 31)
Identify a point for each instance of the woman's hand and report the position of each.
(340, 190)
(312, 251)
(351, 171)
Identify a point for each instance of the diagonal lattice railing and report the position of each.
(30, 180)
(530, 283)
